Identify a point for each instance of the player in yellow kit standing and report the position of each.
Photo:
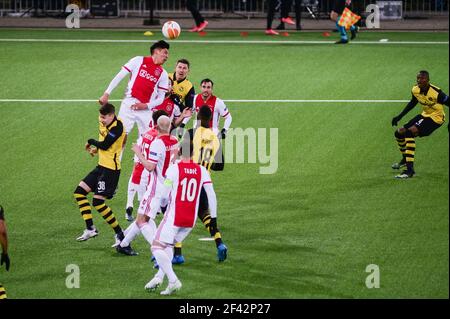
(432, 117)
(104, 178)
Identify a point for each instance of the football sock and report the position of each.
(132, 188)
(410, 150)
(213, 232)
(164, 260)
(149, 231)
(130, 234)
(177, 249)
(108, 216)
(341, 30)
(2, 292)
(84, 206)
(401, 142)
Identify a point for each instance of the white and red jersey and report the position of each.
(217, 106)
(145, 78)
(162, 152)
(172, 109)
(188, 179)
(144, 142)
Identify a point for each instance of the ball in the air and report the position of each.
(171, 30)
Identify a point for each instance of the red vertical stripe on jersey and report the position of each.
(186, 202)
(170, 142)
(211, 102)
(146, 79)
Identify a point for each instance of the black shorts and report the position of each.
(203, 205)
(103, 181)
(425, 125)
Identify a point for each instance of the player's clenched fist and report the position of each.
(91, 150)
(103, 99)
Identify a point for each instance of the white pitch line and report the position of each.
(218, 41)
(228, 101)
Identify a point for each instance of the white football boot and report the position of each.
(171, 288)
(154, 283)
(87, 234)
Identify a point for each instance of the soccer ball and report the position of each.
(171, 30)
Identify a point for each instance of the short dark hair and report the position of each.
(107, 109)
(424, 72)
(204, 113)
(184, 61)
(157, 114)
(206, 81)
(161, 44)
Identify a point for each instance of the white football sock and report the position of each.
(130, 234)
(165, 263)
(132, 188)
(149, 230)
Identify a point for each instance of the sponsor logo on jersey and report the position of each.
(148, 76)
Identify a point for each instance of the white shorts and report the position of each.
(145, 206)
(169, 234)
(129, 117)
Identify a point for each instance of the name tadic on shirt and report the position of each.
(187, 180)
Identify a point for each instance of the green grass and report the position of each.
(308, 231)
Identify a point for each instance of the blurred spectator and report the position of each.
(272, 7)
(298, 14)
(200, 22)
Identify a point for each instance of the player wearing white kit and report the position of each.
(217, 106)
(181, 189)
(162, 151)
(139, 177)
(146, 87)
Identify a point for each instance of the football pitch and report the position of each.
(309, 230)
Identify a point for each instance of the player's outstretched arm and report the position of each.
(405, 111)
(117, 79)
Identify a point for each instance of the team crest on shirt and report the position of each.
(181, 89)
(157, 72)
(168, 108)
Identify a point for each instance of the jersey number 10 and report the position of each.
(189, 189)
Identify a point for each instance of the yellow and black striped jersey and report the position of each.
(429, 100)
(206, 148)
(184, 89)
(109, 144)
